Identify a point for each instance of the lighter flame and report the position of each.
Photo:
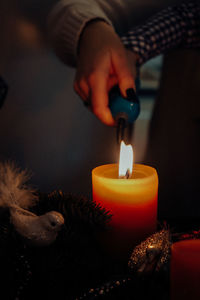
(125, 161)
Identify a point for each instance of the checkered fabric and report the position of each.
(176, 26)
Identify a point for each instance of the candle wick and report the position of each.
(127, 175)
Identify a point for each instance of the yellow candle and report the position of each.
(132, 202)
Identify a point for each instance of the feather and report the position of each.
(13, 188)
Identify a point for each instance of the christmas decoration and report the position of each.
(64, 267)
(148, 260)
(72, 264)
(151, 254)
(148, 270)
(16, 196)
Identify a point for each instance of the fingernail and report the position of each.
(86, 103)
(131, 95)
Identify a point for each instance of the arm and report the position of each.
(68, 19)
(86, 34)
(171, 28)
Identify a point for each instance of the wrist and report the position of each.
(91, 29)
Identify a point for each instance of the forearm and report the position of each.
(69, 17)
(171, 28)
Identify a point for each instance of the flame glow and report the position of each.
(125, 161)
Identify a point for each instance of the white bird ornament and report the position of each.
(17, 197)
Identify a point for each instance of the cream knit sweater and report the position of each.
(68, 18)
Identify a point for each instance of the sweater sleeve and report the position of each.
(66, 23)
(68, 18)
(176, 26)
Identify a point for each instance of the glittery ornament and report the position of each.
(106, 290)
(151, 254)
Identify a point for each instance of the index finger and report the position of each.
(124, 71)
(99, 98)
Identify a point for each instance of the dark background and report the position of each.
(45, 127)
(43, 124)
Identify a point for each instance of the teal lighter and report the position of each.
(125, 111)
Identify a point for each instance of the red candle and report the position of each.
(185, 270)
(132, 203)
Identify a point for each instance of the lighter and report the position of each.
(125, 111)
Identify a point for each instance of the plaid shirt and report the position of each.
(176, 26)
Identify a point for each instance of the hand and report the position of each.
(102, 63)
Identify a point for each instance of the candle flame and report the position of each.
(125, 160)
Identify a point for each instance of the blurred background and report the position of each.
(43, 124)
(45, 127)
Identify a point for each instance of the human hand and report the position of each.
(102, 63)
